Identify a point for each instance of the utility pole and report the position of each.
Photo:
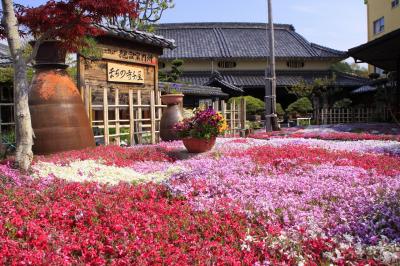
(271, 120)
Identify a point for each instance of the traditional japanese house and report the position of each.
(233, 57)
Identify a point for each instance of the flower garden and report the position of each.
(267, 200)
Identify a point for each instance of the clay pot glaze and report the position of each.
(196, 145)
(59, 119)
(171, 115)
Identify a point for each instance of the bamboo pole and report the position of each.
(105, 116)
(117, 123)
(243, 113)
(223, 110)
(131, 118)
(139, 116)
(159, 113)
(1, 123)
(232, 116)
(90, 105)
(153, 117)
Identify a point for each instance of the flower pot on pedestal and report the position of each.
(171, 115)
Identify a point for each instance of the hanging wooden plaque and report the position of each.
(125, 74)
(127, 55)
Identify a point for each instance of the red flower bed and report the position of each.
(131, 225)
(300, 155)
(344, 136)
(73, 223)
(112, 155)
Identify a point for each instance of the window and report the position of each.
(295, 64)
(395, 3)
(226, 64)
(379, 25)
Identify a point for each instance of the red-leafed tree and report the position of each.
(68, 21)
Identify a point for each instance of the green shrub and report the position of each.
(343, 103)
(301, 107)
(254, 125)
(279, 110)
(253, 105)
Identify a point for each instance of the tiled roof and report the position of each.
(193, 89)
(364, 89)
(374, 84)
(250, 79)
(216, 79)
(239, 40)
(139, 36)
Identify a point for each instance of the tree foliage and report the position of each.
(149, 12)
(353, 68)
(7, 74)
(174, 74)
(302, 89)
(254, 105)
(343, 103)
(302, 106)
(69, 21)
(279, 110)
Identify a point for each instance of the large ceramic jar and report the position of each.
(196, 145)
(59, 119)
(171, 115)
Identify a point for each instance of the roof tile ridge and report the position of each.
(224, 42)
(306, 44)
(210, 25)
(349, 75)
(220, 42)
(134, 33)
(327, 49)
(230, 85)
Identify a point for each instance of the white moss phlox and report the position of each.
(92, 171)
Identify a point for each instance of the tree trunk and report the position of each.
(23, 124)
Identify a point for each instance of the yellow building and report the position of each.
(383, 18)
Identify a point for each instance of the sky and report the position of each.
(338, 24)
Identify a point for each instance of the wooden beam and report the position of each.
(80, 73)
(243, 113)
(153, 117)
(139, 116)
(105, 115)
(131, 118)
(87, 98)
(233, 112)
(116, 112)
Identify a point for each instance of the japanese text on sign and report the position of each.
(124, 73)
(129, 56)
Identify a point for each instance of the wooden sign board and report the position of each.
(127, 55)
(125, 74)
